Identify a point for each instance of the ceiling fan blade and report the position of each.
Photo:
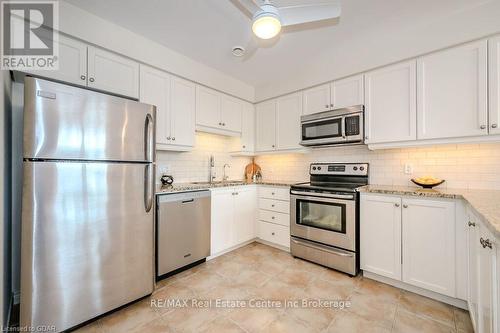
(300, 14)
(249, 7)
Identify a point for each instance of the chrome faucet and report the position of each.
(225, 177)
(211, 169)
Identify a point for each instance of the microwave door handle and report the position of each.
(343, 128)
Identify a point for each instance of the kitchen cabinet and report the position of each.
(452, 92)
(472, 268)
(338, 94)
(273, 225)
(233, 217)
(409, 240)
(111, 72)
(288, 129)
(217, 112)
(265, 115)
(428, 244)
(380, 235)
(494, 85)
(347, 92)
(391, 103)
(245, 144)
(174, 99)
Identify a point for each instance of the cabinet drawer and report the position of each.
(274, 217)
(275, 205)
(279, 193)
(274, 233)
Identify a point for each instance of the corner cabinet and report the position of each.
(409, 240)
(245, 144)
(391, 103)
(453, 93)
(174, 99)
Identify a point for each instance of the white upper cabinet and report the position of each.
(452, 92)
(248, 128)
(208, 107)
(429, 244)
(316, 99)
(390, 103)
(113, 73)
(494, 85)
(347, 92)
(174, 99)
(182, 112)
(288, 130)
(155, 90)
(231, 113)
(265, 115)
(380, 235)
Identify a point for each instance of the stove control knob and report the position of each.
(355, 168)
(319, 168)
(361, 168)
(314, 168)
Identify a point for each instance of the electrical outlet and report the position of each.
(408, 169)
(164, 169)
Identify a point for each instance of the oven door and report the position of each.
(325, 218)
(323, 131)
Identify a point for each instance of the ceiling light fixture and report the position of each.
(266, 22)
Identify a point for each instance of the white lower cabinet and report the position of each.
(273, 225)
(233, 217)
(483, 282)
(409, 240)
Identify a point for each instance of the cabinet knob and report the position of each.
(223, 124)
(173, 138)
(366, 137)
(331, 105)
(272, 193)
(326, 106)
(272, 217)
(482, 126)
(405, 206)
(273, 146)
(396, 205)
(83, 77)
(485, 243)
(272, 205)
(272, 233)
(91, 79)
(244, 146)
(168, 138)
(220, 124)
(494, 125)
(471, 224)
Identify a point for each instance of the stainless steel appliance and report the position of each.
(341, 126)
(88, 204)
(183, 230)
(324, 215)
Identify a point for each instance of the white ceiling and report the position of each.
(206, 30)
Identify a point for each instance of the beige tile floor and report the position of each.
(261, 272)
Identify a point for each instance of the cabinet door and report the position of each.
(245, 206)
(72, 62)
(221, 221)
(265, 114)
(316, 99)
(182, 112)
(248, 128)
(347, 92)
(288, 112)
(380, 235)
(494, 84)
(208, 107)
(488, 282)
(231, 111)
(452, 92)
(390, 102)
(472, 268)
(155, 90)
(429, 245)
(113, 73)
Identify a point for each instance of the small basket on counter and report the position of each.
(427, 182)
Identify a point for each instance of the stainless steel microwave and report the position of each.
(341, 126)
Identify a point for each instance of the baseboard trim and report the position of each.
(231, 249)
(427, 293)
(279, 247)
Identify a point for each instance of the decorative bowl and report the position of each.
(428, 185)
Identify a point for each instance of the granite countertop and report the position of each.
(186, 187)
(486, 203)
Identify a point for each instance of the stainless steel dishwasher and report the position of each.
(183, 230)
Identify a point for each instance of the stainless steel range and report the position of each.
(324, 215)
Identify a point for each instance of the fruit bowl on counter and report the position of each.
(427, 181)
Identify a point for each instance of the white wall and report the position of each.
(466, 166)
(386, 43)
(90, 28)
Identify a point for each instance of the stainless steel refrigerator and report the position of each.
(87, 207)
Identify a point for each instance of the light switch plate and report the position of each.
(408, 169)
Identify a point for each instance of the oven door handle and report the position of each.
(324, 195)
(322, 248)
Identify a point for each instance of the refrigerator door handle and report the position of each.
(148, 186)
(149, 138)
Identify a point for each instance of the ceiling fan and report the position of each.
(268, 18)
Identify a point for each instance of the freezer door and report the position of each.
(65, 122)
(87, 240)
